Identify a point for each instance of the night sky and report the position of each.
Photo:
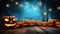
(31, 9)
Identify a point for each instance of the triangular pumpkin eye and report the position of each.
(6, 19)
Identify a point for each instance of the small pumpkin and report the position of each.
(44, 24)
(31, 22)
(20, 24)
(57, 24)
(25, 22)
(52, 22)
(38, 23)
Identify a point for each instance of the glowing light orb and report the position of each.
(58, 8)
(21, 5)
(44, 13)
(16, 2)
(27, 2)
(40, 3)
(7, 5)
(50, 9)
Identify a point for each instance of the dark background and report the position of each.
(20, 14)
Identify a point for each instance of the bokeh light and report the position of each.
(40, 3)
(50, 9)
(7, 5)
(21, 5)
(35, 10)
(58, 8)
(45, 13)
(27, 2)
(16, 2)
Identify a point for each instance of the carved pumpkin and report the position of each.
(20, 24)
(9, 21)
(52, 22)
(31, 22)
(44, 24)
(25, 22)
(57, 24)
(38, 23)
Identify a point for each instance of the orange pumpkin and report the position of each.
(38, 22)
(9, 21)
(31, 22)
(25, 22)
(52, 22)
(57, 24)
(44, 24)
(20, 24)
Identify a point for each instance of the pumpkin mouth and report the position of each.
(8, 25)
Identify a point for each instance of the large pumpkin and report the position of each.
(25, 22)
(31, 22)
(52, 22)
(57, 24)
(9, 21)
(38, 23)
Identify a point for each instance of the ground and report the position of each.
(32, 30)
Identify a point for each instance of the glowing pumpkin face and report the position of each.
(9, 21)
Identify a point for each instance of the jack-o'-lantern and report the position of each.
(57, 24)
(20, 24)
(52, 22)
(44, 24)
(38, 23)
(31, 22)
(9, 21)
(25, 22)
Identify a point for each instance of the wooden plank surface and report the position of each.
(32, 30)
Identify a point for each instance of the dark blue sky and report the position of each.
(30, 9)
